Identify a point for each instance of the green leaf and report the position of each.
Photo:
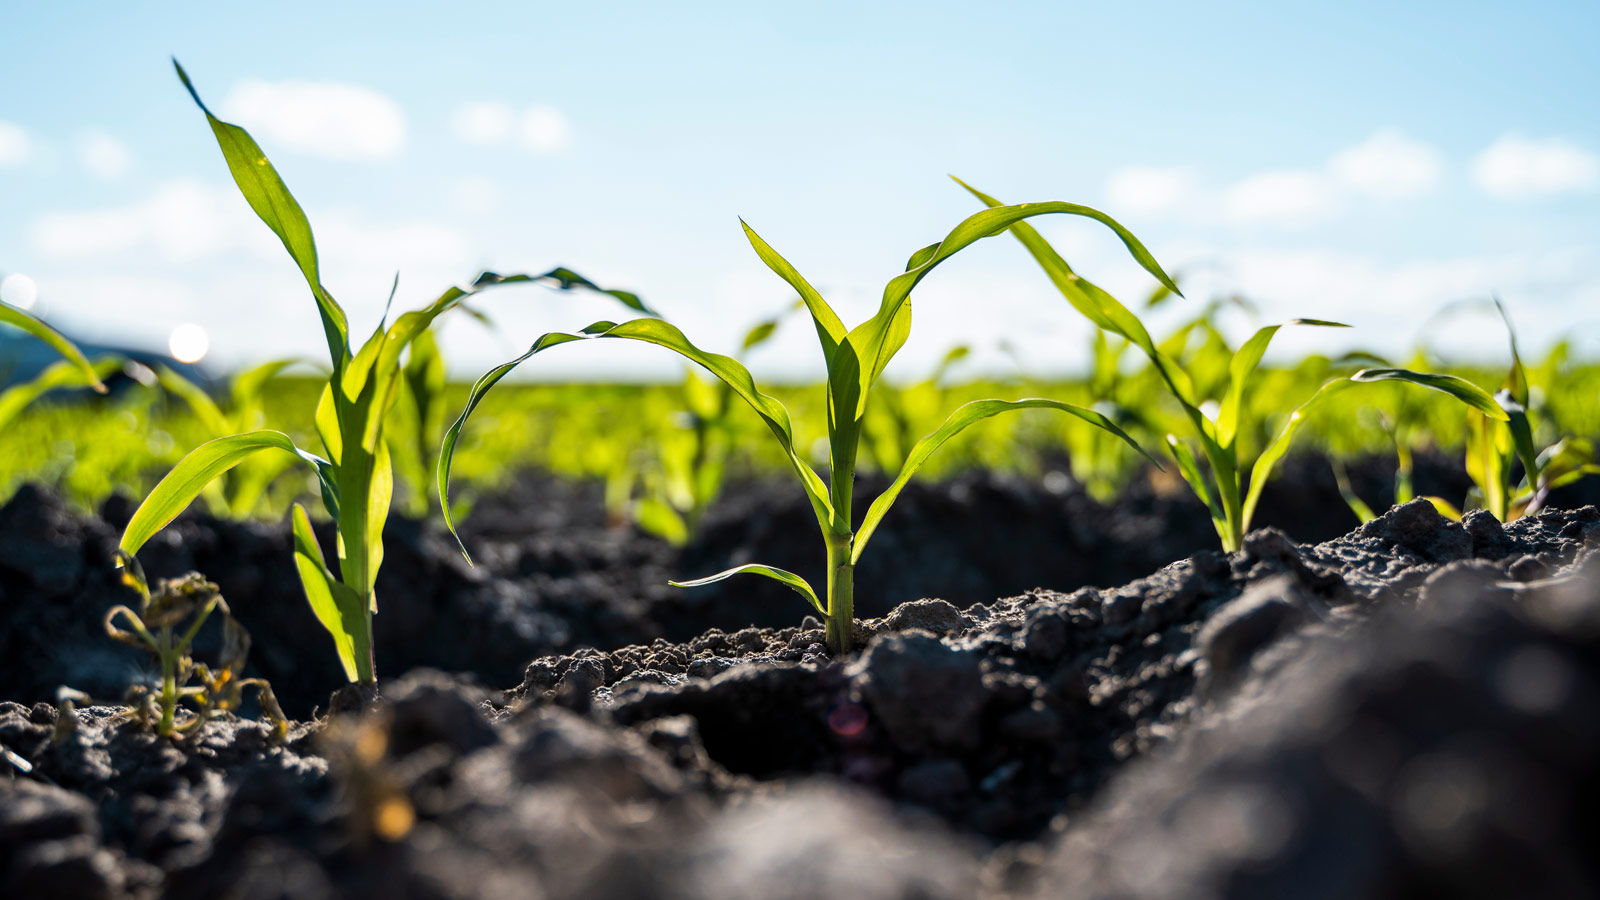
(1244, 362)
(758, 335)
(661, 333)
(1521, 435)
(1445, 507)
(1189, 468)
(830, 331)
(1275, 451)
(964, 416)
(1459, 388)
(657, 517)
(333, 608)
(205, 409)
(190, 476)
(61, 374)
(247, 384)
(875, 340)
(10, 315)
(792, 580)
(379, 496)
(1098, 306)
(565, 279)
(272, 202)
(1517, 377)
(1358, 506)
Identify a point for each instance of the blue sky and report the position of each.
(1355, 161)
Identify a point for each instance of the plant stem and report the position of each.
(841, 594)
(169, 681)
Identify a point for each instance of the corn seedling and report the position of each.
(690, 466)
(855, 359)
(237, 493)
(1223, 492)
(30, 324)
(166, 625)
(356, 476)
(1500, 436)
(58, 375)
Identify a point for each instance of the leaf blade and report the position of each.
(789, 578)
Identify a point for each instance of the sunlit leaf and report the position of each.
(964, 416)
(789, 578)
(1459, 388)
(272, 202)
(190, 476)
(31, 324)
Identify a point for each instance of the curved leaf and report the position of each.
(830, 331)
(1189, 468)
(1262, 470)
(205, 408)
(266, 193)
(965, 415)
(1521, 435)
(789, 578)
(1459, 388)
(1097, 305)
(10, 315)
(1244, 362)
(874, 339)
(61, 374)
(190, 476)
(321, 588)
(565, 279)
(664, 334)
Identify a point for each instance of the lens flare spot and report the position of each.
(189, 343)
(19, 290)
(848, 719)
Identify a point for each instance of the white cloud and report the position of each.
(1519, 168)
(103, 156)
(181, 221)
(332, 120)
(483, 123)
(544, 129)
(1289, 198)
(1148, 190)
(1388, 164)
(540, 129)
(14, 145)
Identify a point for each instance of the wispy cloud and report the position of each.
(1150, 190)
(1520, 168)
(1388, 164)
(327, 119)
(15, 146)
(103, 156)
(1289, 198)
(539, 129)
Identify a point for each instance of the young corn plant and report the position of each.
(1500, 437)
(159, 627)
(58, 375)
(238, 493)
(689, 468)
(855, 360)
(30, 324)
(1221, 487)
(356, 475)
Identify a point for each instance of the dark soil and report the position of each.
(1410, 709)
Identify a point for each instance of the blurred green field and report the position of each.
(641, 439)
